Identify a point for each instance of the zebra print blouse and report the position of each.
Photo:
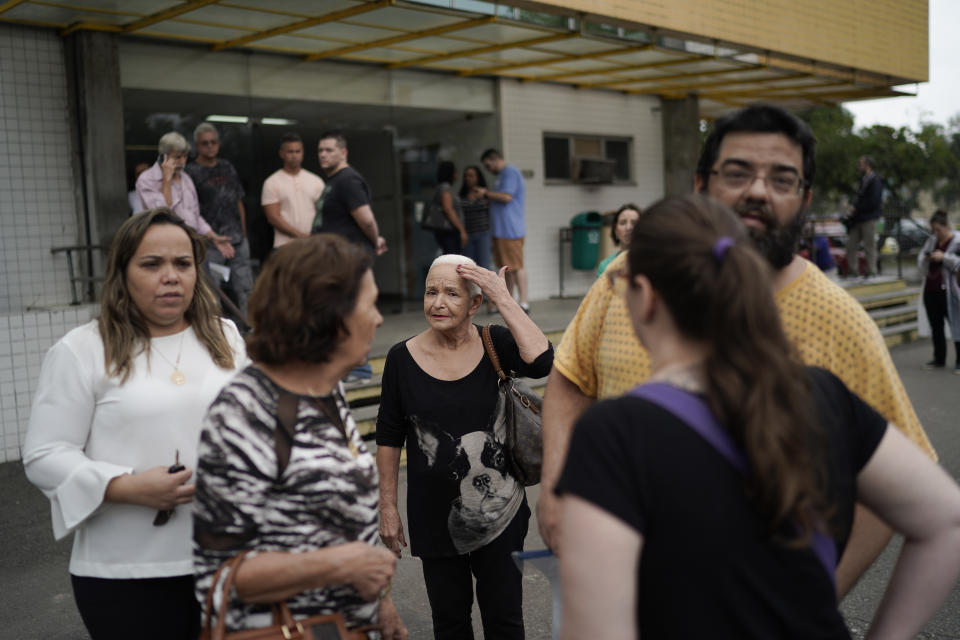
(324, 497)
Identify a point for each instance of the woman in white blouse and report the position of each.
(113, 432)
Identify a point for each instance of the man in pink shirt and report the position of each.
(290, 194)
(166, 185)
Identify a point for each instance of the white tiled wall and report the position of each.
(24, 340)
(37, 201)
(37, 212)
(529, 109)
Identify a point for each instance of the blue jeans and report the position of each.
(478, 248)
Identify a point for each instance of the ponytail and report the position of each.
(717, 287)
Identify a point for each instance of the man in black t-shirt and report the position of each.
(344, 209)
(344, 206)
(221, 204)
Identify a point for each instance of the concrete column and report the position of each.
(680, 120)
(93, 78)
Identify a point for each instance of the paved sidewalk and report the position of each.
(37, 601)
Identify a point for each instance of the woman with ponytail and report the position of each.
(714, 500)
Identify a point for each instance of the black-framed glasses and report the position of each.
(204, 143)
(782, 183)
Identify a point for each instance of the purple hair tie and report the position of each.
(721, 246)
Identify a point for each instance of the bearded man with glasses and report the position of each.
(759, 161)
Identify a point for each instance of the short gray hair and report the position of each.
(205, 127)
(172, 142)
(455, 259)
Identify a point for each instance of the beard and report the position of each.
(778, 243)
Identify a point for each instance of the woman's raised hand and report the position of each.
(492, 283)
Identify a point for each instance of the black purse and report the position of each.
(519, 407)
(434, 219)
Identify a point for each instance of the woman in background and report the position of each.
(476, 216)
(624, 220)
(939, 263)
(453, 240)
(675, 531)
(113, 432)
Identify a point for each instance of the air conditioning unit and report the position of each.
(593, 170)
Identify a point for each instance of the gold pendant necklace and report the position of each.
(177, 376)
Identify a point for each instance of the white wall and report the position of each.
(38, 210)
(526, 111)
(38, 206)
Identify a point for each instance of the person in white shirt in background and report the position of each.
(290, 194)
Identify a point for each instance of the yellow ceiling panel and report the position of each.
(347, 33)
(577, 46)
(384, 54)
(296, 43)
(467, 39)
(458, 64)
(585, 78)
(499, 32)
(196, 32)
(31, 12)
(234, 17)
(136, 7)
(645, 57)
(585, 64)
(296, 8)
(406, 19)
(435, 45)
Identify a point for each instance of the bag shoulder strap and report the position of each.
(696, 414)
(287, 404)
(491, 352)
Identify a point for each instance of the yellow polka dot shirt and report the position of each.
(602, 356)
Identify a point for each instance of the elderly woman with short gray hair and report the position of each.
(465, 510)
(165, 184)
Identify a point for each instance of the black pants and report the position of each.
(146, 609)
(499, 587)
(935, 303)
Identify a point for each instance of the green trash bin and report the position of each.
(587, 227)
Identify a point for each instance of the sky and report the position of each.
(937, 100)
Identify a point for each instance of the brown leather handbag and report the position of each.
(330, 626)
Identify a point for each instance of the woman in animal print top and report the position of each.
(307, 511)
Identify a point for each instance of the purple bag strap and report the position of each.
(696, 414)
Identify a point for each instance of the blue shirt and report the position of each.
(507, 218)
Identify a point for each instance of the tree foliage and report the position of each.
(911, 161)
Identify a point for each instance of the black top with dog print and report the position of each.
(459, 493)
(324, 497)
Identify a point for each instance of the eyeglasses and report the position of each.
(204, 143)
(782, 183)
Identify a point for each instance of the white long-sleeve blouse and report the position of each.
(87, 428)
